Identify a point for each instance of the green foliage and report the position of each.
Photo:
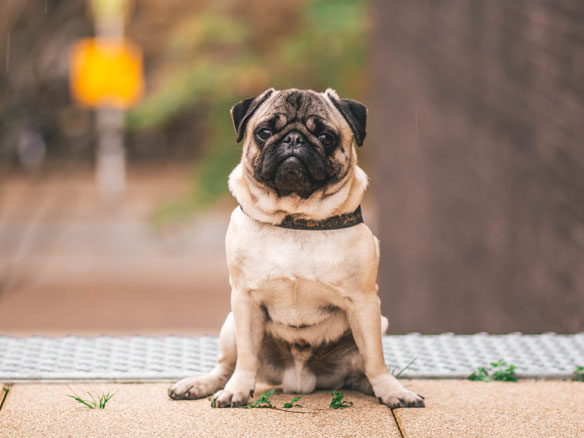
(337, 401)
(400, 372)
(480, 375)
(501, 371)
(579, 374)
(209, 178)
(94, 401)
(263, 401)
(292, 403)
(223, 54)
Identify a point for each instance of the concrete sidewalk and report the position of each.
(454, 409)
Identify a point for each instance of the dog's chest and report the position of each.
(296, 262)
(295, 280)
(299, 276)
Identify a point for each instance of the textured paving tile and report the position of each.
(538, 409)
(144, 410)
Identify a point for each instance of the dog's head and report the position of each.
(298, 141)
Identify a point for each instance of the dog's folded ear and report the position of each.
(242, 111)
(355, 113)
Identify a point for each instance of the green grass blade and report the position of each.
(406, 367)
(80, 400)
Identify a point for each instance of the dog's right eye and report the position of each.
(264, 134)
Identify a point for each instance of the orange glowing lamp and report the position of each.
(106, 73)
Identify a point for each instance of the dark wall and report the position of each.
(477, 120)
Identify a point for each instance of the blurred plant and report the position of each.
(579, 373)
(227, 52)
(502, 372)
(480, 375)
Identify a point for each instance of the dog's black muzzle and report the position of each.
(293, 165)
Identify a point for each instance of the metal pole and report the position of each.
(110, 159)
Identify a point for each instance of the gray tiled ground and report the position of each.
(138, 358)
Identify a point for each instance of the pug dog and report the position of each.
(302, 264)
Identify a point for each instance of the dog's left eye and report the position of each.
(264, 134)
(326, 139)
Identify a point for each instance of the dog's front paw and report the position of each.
(392, 393)
(192, 388)
(236, 393)
(402, 399)
(230, 399)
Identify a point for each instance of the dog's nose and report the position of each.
(294, 138)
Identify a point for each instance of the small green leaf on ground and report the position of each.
(579, 374)
(94, 401)
(292, 403)
(263, 401)
(337, 401)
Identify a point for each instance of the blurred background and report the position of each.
(114, 155)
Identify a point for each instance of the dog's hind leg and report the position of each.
(359, 382)
(200, 386)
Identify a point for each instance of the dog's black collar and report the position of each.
(332, 223)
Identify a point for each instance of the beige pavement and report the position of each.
(454, 409)
(534, 409)
(144, 410)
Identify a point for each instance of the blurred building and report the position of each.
(478, 128)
